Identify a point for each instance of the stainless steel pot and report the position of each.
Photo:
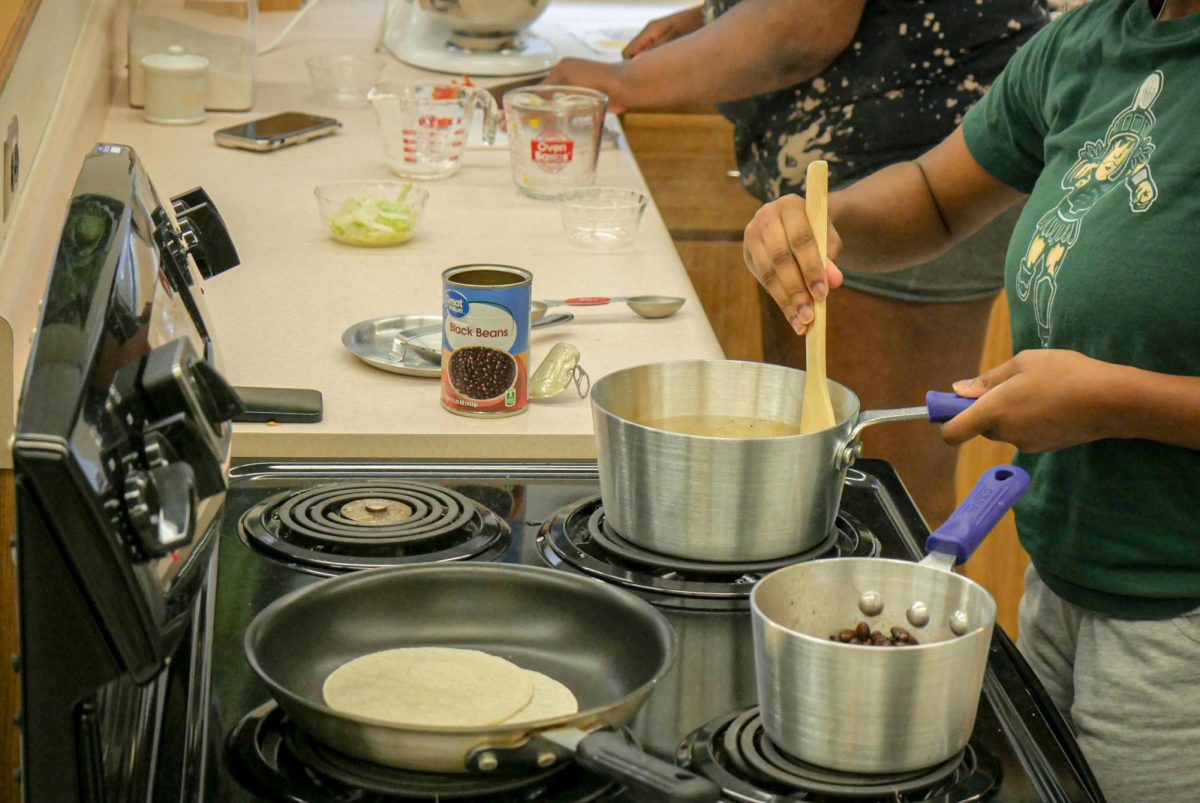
(722, 498)
(867, 709)
(486, 24)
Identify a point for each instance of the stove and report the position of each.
(702, 715)
(143, 557)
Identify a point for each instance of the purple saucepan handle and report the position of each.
(995, 493)
(944, 406)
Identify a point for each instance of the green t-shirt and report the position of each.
(1097, 117)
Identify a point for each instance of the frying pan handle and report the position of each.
(648, 777)
(995, 493)
(944, 406)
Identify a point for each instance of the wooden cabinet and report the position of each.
(687, 160)
(999, 565)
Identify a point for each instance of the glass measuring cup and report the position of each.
(425, 125)
(554, 137)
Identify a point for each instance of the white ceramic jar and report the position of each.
(175, 87)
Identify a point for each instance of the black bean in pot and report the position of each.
(479, 372)
(862, 633)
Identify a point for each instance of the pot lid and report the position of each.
(175, 60)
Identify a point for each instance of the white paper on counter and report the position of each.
(606, 41)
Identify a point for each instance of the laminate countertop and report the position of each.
(278, 318)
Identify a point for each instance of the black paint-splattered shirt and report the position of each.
(912, 70)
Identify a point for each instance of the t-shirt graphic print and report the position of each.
(1121, 157)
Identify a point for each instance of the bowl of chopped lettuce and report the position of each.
(371, 214)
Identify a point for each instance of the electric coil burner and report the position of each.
(581, 537)
(338, 527)
(736, 752)
(270, 755)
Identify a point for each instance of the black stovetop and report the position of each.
(1019, 750)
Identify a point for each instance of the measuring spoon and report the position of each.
(646, 306)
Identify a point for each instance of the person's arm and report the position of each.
(902, 215)
(665, 29)
(758, 46)
(1050, 399)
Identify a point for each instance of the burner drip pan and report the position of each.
(358, 525)
(271, 756)
(579, 538)
(610, 540)
(735, 752)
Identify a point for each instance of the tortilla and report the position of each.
(429, 687)
(550, 699)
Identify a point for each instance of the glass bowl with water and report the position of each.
(602, 217)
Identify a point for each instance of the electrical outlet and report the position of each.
(11, 171)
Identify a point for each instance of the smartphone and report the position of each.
(277, 131)
(281, 405)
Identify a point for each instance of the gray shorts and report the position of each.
(1130, 689)
(971, 270)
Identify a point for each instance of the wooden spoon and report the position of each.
(817, 413)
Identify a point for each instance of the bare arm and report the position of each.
(758, 46)
(902, 215)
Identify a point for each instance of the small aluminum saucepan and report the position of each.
(876, 709)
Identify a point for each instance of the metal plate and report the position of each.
(371, 341)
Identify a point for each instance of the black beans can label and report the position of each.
(485, 339)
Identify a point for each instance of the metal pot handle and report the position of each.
(939, 407)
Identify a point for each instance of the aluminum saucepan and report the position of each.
(876, 709)
(609, 647)
(720, 498)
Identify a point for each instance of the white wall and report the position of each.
(37, 75)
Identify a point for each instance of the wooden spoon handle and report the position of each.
(817, 413)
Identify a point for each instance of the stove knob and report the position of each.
(157, 451)
(218, 399)
(160, 504)
(203, 233)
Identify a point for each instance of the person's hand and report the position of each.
(780, 251)
(1039, 401)
(665, 29)
(594, 75)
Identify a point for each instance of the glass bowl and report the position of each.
(344, 80)
(602, 217)
(371, 213)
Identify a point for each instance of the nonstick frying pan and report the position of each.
(606, 645)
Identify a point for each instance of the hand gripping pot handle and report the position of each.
(944, 406)
(993, 496)
(653, 779)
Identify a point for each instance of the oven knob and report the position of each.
(160, 503)
(203, 233)
(218, 399)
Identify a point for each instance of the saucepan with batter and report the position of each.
(704, 460)
(489, 668)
